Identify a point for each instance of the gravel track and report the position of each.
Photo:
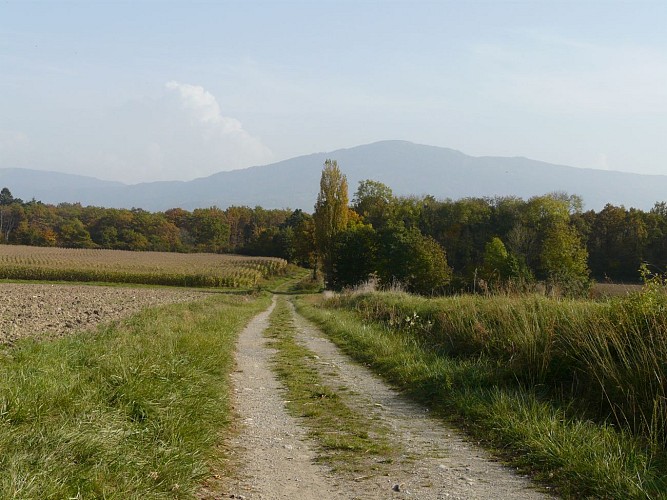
(46, 311)
(276, 459)
(436, 462)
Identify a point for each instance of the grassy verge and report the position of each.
(130, 411)
(346, 436)
(532, 431)
(608, 358)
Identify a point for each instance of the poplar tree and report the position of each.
(331, 213)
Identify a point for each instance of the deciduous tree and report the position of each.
(331, 213)
(415, 261)
(356, 256)
(372, 201)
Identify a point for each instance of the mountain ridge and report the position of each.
(407, 168)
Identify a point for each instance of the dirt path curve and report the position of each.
(277, 459)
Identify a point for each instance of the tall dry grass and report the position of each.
(608, 358)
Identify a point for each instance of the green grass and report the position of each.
(130, 411)
(307, 284)
(346, 436)
(526, 423)
(285, 283)
(609, 358)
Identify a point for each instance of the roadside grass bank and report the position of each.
(131, 410)
(488, 368)
(608, 358)
(347, 438)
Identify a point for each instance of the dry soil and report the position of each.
(45, 311)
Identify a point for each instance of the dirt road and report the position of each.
(277, 460)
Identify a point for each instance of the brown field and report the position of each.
(118, 266)
(50, 311)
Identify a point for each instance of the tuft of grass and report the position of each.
(130, 411)
(543, 434)
(346, 436)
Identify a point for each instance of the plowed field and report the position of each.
(51, 311)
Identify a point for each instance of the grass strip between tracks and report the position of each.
(347, 437)
(581, 458)
(133, 410)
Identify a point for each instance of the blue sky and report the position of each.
(149, 90)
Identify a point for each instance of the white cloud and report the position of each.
(195, 133)
(179, 135)
(201, 104)
(194, 138)
(225, 135)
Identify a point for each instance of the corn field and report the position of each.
(120, 266)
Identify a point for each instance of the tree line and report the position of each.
(236, 229)
(431, 245)
(425, 244)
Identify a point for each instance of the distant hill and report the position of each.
(405, 167)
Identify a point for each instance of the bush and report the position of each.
(416, 261)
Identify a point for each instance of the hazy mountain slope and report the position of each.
(51, 187)
(406, 167)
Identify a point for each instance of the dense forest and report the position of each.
(424, 243)
(236, 229)
(490, 242)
